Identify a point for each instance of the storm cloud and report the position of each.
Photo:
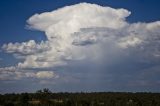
(91, 43)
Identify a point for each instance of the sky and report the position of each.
(80, 45)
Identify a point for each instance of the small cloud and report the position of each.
(15, 73)
(45, 74)
(26, 48)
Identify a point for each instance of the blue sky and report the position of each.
(34, 56)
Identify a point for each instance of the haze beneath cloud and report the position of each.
(89, 47)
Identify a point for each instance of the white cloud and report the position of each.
(84, 31)
(71, 18)
(10, 74)
(13, 73)
(12, 69)
(26, 48)
(142, 39)
(45, 74)
(129, 41)
(59, 26)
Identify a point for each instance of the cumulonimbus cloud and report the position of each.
(85, 31)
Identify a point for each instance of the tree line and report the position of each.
(46, 98)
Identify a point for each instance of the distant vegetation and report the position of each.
(46, 98)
